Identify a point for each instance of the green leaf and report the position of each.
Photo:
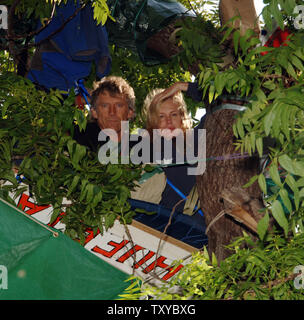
(79, 153)
(123, 194)
(292, 166)
(297, 62)
(90, 192)
(227, 34)
(70, 145)
(269, 85)
(259, 145)
(279, 215)
(293, 185)
(219, 83)
(117, 175)
(300, 182)
(4, 108)
(301, 193)
(285, 114)
(110, 219)
(277, 13)
(236, 38)
(263, 226)
(240, 128)
(214, 260)
(251, 181)
(290, 69)
(288, 6)
(139, 210)
(211, 93)
(268, 121)
(101, 11)
(73, 185)
(97, 197)
(274, 174)
(262, 183)
(285, 197)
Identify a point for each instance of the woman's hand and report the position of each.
(171, 91)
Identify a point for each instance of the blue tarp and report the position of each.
(66, 56)
(188, 229)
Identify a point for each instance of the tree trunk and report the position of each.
(221, 180)
(245, 9)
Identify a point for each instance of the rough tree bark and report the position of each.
(228, 208)
(220, 187)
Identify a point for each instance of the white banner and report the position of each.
(135, 249)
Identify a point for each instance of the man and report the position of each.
(113, 101)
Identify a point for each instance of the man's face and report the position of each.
(111, 110)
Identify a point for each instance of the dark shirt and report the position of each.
(89, 137)
(194, 92)
(178, 174)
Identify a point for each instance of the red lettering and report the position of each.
(171, 274)
(147, 257)
(56, 220)
(110, 254)
(33, 208)
(90, 235)
(159, 262)
(128, 254)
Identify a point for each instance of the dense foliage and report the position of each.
(37, 127)
(265, 271)
(35, 136)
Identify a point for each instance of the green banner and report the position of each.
(44, 264)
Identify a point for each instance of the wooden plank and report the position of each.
(163, 237)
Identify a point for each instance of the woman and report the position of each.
(167, 122)
(166, 116)
(166, 113)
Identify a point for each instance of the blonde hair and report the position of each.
(151, 109)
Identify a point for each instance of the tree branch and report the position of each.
(11, 36)
(10, 28)
(270, 284)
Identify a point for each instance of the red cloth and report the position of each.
(277, 39)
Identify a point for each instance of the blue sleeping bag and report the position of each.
(188, 229)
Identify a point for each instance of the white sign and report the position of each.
(299, 20)
(141, 250)
(3, 277)
(3, 17)
(299, 280)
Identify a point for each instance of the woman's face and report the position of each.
(169, 117)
